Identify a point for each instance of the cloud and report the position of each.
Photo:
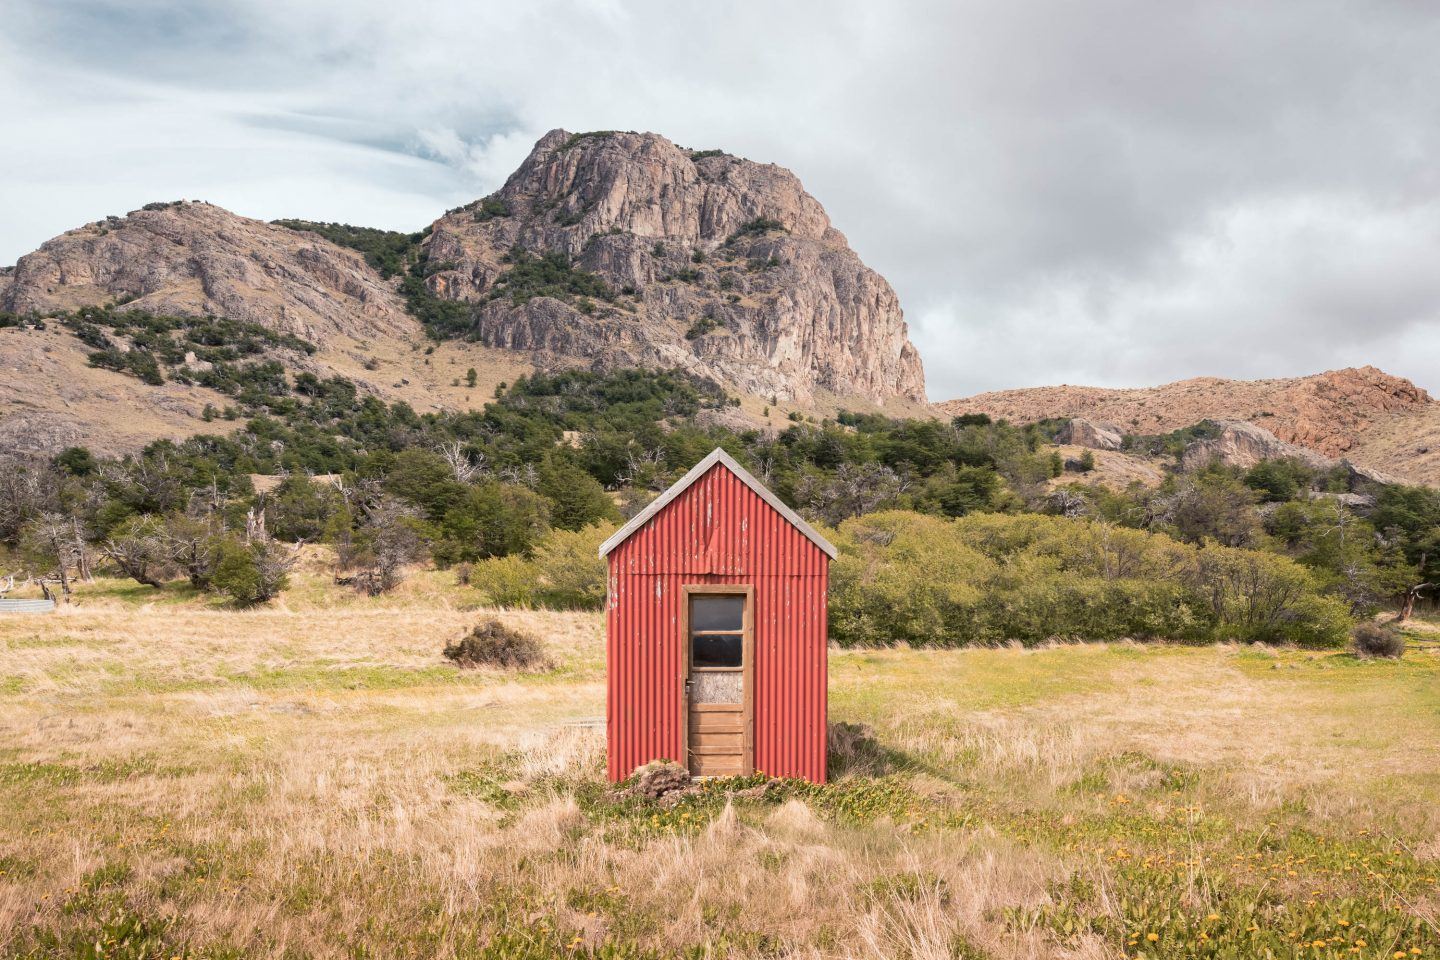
(1119, 192)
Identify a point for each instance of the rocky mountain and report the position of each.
(193, 258)
(1362, 414)
(603, 249)
(628, 249)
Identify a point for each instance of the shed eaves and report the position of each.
(699, 470)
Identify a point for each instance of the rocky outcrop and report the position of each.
(1243, 445)
(1087, 433)
(1371, 418)
(193, 258)
(717, 265)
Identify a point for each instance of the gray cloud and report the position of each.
(1119, 192)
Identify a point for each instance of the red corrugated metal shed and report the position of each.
(717, 529)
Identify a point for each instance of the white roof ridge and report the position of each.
(718, 455)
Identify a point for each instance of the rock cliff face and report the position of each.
(714, 264)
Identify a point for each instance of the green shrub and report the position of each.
(505, 581)
(572, 574)
(1280, 480)
(759, 225)
(566, 572)
(299, 507)
(491, 208)
(548, 275)
(488, 519)
(701, 327)
(577, 499)
(1258, 597)
(990, 578)
(576, 139)
(250, 573)
(492, 644)
(385, 250)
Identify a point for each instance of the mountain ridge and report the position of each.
(612, 249)
(1364, 414)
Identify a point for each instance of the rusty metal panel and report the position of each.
(718, 531)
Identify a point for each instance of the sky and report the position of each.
(1117, 192)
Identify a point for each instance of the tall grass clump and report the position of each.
(988, 579)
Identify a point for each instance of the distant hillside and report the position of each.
(1363, 414)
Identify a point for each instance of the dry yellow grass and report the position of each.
(314, 779)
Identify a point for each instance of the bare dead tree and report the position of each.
(643, 469)
(28, 488)
(255, 526)
(49, 540)
(142, 551)
(1411, 596)
(854, 489)
(1067, 503)
(389, 541)
(80, 540)
(190, 542)
(465, 468)
(525, 475)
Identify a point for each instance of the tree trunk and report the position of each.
(82, 555)
(1411, 596)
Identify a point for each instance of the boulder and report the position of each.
(1081, 432)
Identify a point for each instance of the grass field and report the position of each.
(313, 779)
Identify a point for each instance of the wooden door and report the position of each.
(719, 625)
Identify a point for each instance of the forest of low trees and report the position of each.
(517, 495)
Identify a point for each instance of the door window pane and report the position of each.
(722, 612)
(717, 649)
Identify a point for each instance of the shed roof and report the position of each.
(717, 456)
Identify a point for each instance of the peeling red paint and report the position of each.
(717, 531)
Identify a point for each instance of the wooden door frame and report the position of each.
(747, 667)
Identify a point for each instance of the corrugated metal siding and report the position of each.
(717, 531)
(26, 606)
